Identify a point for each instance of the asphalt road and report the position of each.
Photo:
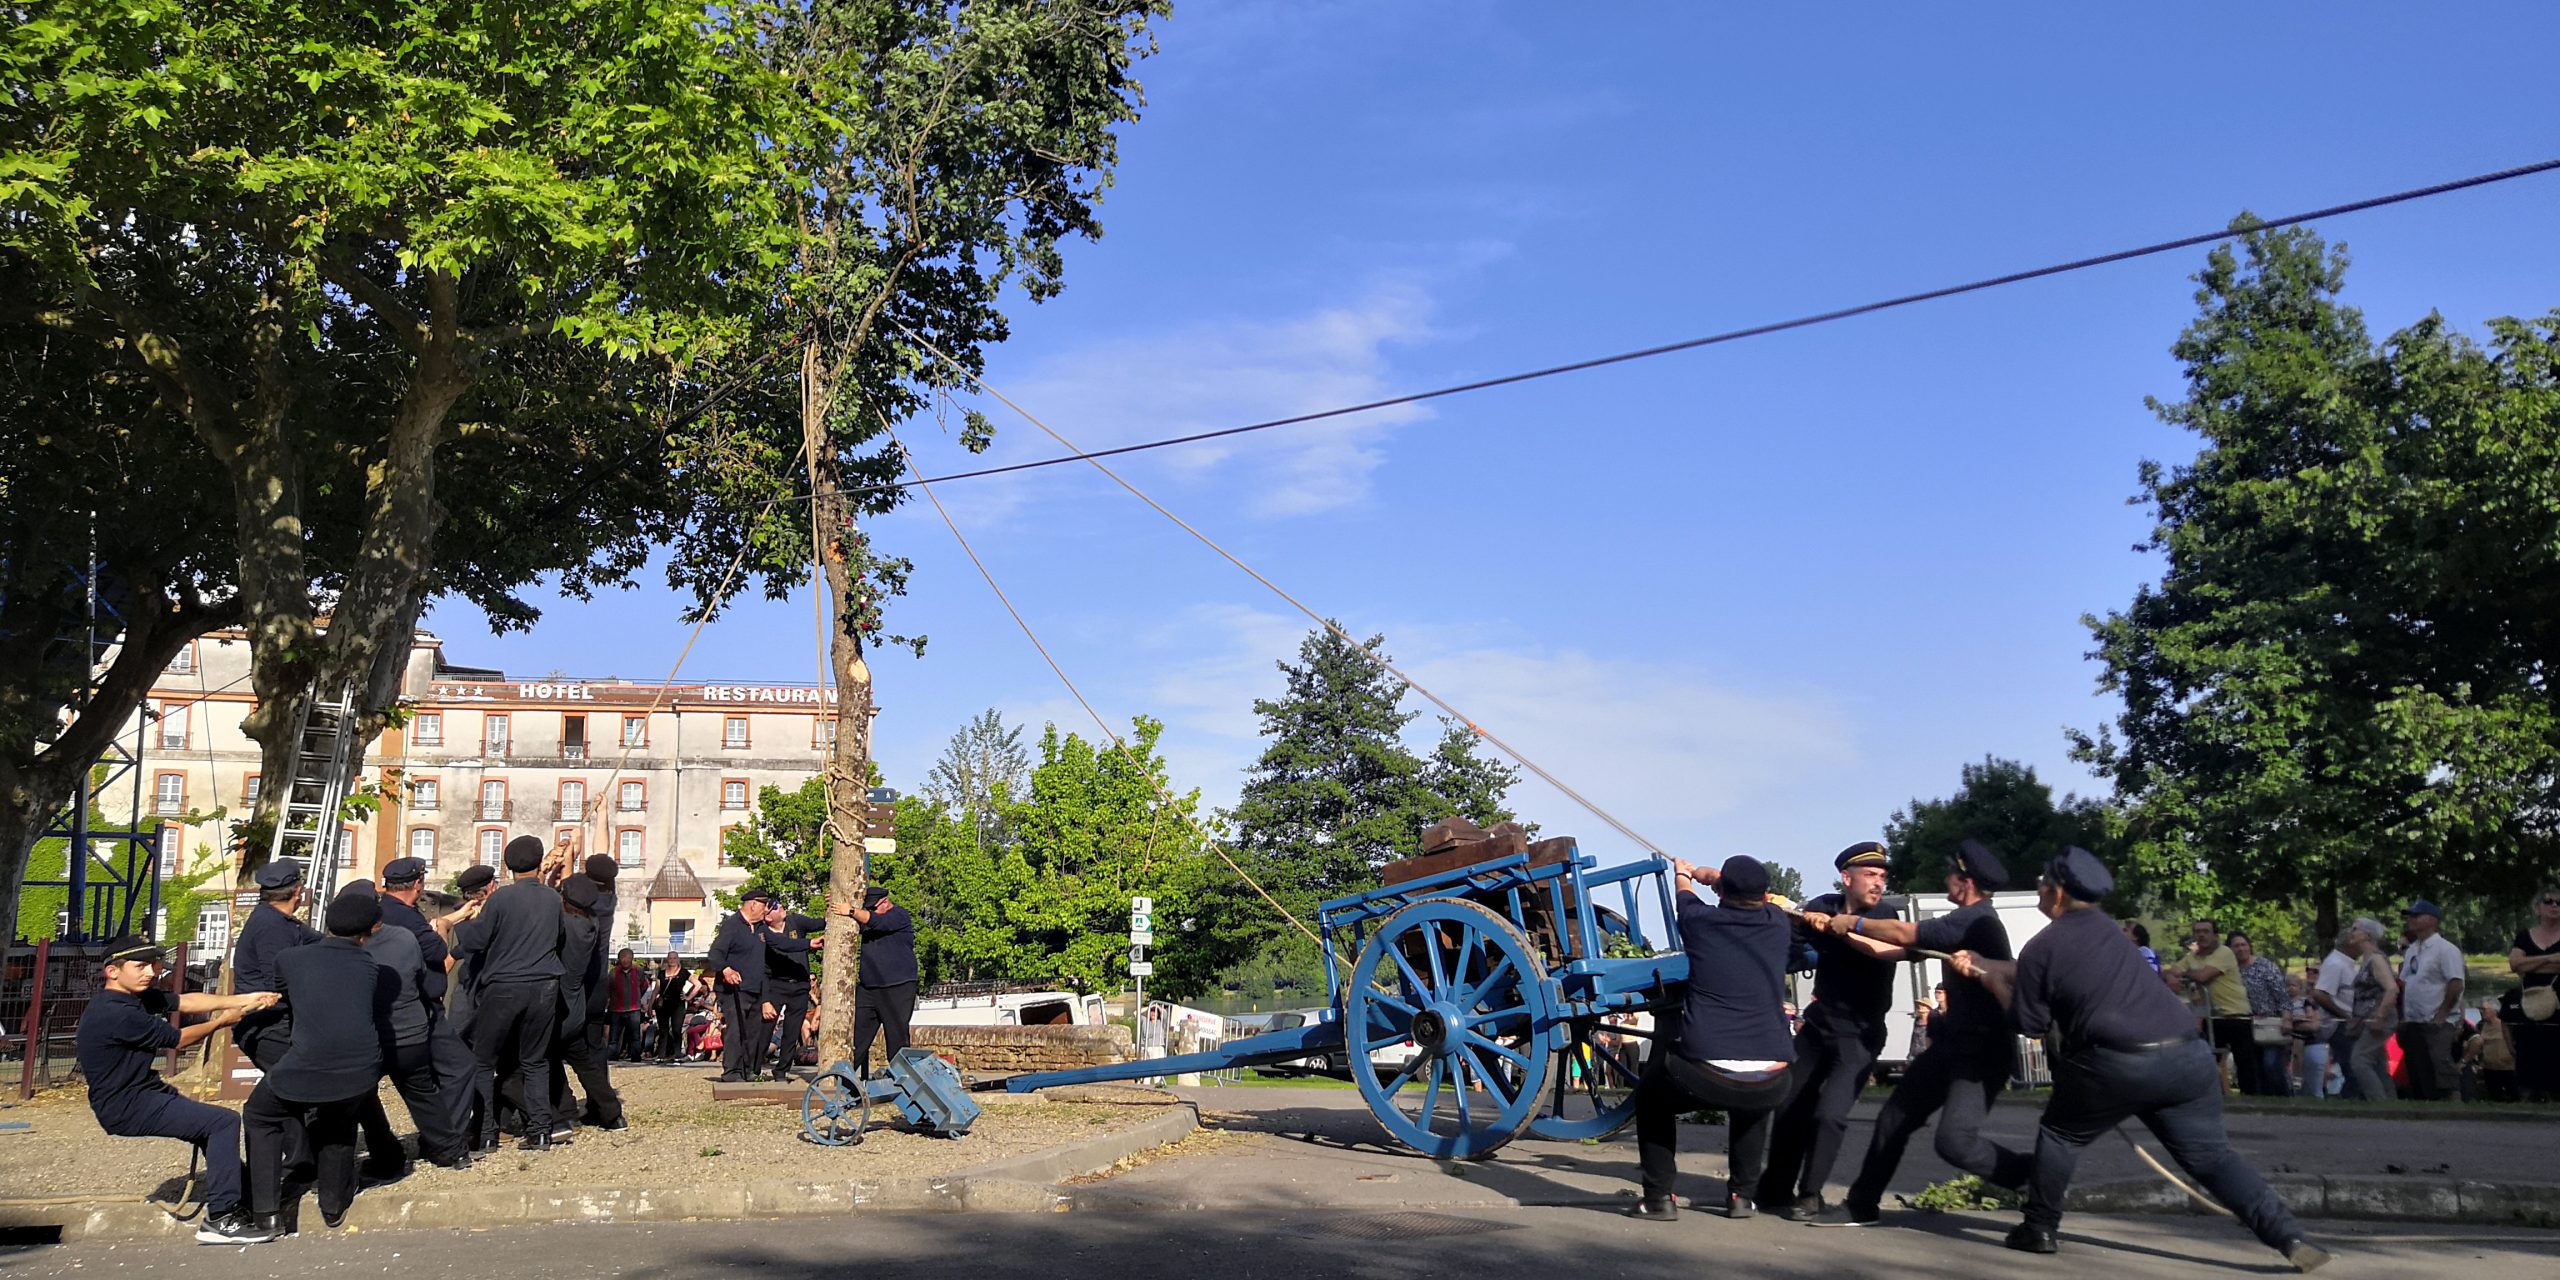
(1573, 1243)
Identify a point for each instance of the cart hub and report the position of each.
(1432, 1029)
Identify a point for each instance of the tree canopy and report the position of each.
(2341, 687)
(2002, 804)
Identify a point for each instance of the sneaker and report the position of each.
(234, 1227)
(1737, 1206)
(1662, 1210)
(2305, 1256)
(1802, 1209)
(617, 1125)
(563, 1131)
(333, 1221)
(1844, 1216)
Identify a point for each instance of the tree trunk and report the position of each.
(849, 761)
(2324, 925)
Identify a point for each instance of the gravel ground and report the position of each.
(678, 1135)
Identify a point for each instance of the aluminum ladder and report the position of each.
(309, 824)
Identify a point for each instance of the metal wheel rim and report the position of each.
(834, 1110)
(1463, 1104)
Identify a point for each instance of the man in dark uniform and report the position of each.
(409, 1056)
(513, 943)
(736, 965)
(323, 1083)
(404, 881)
(581, 988)
(886, 1000)
(2127, 1050)
(470, 1090)
(122, 1034)
(1844, 1031)
(787, 944)
(274, 928)
(1971, 1052)
(602, 870)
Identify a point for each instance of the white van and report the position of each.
(1010, 1009)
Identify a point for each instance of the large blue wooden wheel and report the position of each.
(1444, 1028)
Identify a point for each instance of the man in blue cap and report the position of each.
(1843, 1032)
(2431, 981)
(122, 1034)
(2126, 1050)
(513, 943)
(274, 927)
(1971, 1052)
(404, 883)
(342, 1005)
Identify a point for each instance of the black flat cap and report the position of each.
(601, 868)
(279, 874)
(579, 892)
(472, 878)
(1743, 876)
(757, 895)
(364, 887)
(872, 893)
(353, 915)
(1865, 853)
(524, 853)
(1980, 865)
(128, 949)
(404, 870)
(2081, 875)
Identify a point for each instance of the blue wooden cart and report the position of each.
(1486, 996)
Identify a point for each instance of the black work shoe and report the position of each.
(1844, 1216)
(538, 1142)
(2027, 1237)
(1662, 1210)
(333, 1221)
(2304, 1255)
(234, 1227)
(1738, 1206)
(731, 1078)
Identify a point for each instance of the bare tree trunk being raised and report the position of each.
(849, 757)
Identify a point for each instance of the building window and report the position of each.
(173, 726)
(169, 794)
(563, 836)
(626, 846)
(172, 839)
(495, 735)
(185, 661)
(733, 793)
(346, 848)
(422, 844)
(635, 731)
(573, 801)
(733, 731)
(493, 801)
(720, 851)
(249, 789)
(679, 934)
(493, 846)
(573, 737)
(635, 797)
(824, 732)
(427, 730)
(213, 928)
(426, 793)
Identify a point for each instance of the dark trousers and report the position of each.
(624, 1040)
(581, 1050)
(1956, 1081)
(790, 1013)
(883, 1010)
(272, 1124)
(744, 1033)
(2236, 1037)
(1832, 1063)
(2426, 1051)
(381, 1141)
(212, 1130)
(1673, 1085)
(412, 1068)
(458, 1079)
(671, 1034)
(2177, 1094)
(517, 1017)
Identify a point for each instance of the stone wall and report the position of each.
(1003, 1050)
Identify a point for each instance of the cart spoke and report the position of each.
(1509, 1054)
(1496, 1086)
(1485, 989)
(1492, 1017)
(1431, 1092)
(1461, 1072)
(1402, 1077)
(1439, 963)
(1413, 981)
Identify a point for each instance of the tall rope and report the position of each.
(1163, 793)
(1327, 623)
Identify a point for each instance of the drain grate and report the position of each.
(1406, 1226)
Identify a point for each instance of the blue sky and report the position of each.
(1751, 599)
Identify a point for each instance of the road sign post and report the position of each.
(1142, 934)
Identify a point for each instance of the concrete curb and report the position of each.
(1016, 1184)
(2456, 1200)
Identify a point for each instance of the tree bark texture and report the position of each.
(849, 761)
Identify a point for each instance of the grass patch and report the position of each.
(1967, 1194)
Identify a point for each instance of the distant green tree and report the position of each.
(1786, 882)
(2340, 691)
(984, 761)
(2002, 804)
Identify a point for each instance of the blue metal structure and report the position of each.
(924, 1089)
(1524, 1001)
